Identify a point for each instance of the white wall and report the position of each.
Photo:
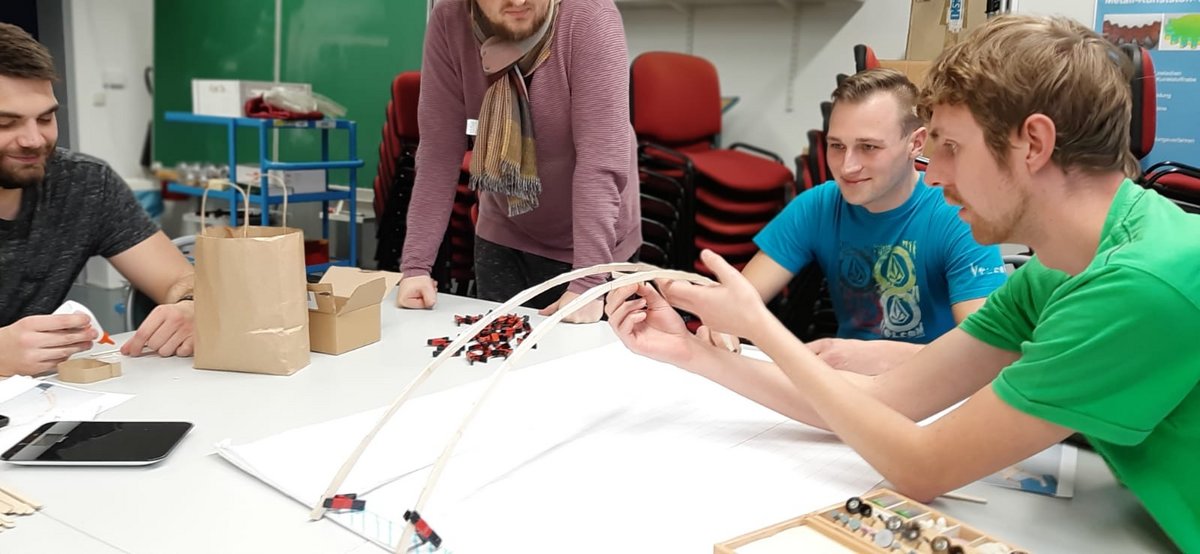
(111, 44)
(750, 45)
(1081, 10)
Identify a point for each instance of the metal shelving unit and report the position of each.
(263, 197)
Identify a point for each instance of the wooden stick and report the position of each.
(6, 522)
(17, 505)
(463, 338)
(9, 491)
(527, 344)
(965, 497)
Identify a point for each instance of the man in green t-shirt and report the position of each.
(1029, 135)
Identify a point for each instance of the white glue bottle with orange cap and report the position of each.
(73, 307)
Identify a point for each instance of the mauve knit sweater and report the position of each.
(589, 211)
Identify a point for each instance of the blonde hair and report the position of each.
(1015, 66)
(864, 84)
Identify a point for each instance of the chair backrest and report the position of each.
(406, 93)
(818, 163)
(400, 135)
(1176, 181)
(1145, 106)
(864, 58)
(1015, 261)
(675, 100)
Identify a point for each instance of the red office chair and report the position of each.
(454, 267)
(1142, 84)
(456, 260)
(1177, 181)
(676, 113)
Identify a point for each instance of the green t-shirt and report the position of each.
(1114, 352)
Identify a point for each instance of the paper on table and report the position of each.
(29, 403)
(580, 454)
(1050, 472)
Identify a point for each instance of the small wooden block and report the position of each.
(87, 370)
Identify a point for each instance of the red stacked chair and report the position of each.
(735, 191)
(454, 268)
(397, 169)
(456, 259)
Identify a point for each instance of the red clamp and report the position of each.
(345, 502)
(424, 531)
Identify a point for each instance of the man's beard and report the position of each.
(508, 34)
(28, 178)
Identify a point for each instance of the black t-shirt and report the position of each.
(81, 209)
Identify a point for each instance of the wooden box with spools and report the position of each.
(880, 522)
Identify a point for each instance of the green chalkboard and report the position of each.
(349, 50)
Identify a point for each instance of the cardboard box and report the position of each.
(227, 97)
(297, 182)
(928, 31)
(87, 370)
(343, 309)
(915, 70)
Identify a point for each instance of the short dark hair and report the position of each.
(22, 57)
(865, 84)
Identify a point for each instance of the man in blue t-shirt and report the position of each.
(901, 265)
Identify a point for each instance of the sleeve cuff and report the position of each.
(580, 286)
(407, 272)
(1071, 419)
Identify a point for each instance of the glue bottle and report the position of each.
(73, 307)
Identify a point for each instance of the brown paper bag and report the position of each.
(251, 300)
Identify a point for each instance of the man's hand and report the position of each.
(648, 325)
(734, 307)
(868, 357)
(590, 313)
(38, 343)
(168, 331)
(417, 293)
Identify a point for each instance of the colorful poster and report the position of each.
(1170, 29)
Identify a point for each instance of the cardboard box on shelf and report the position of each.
(915, 70)
(227, 97)
(928, 26)
(343, 309)
(297, 182)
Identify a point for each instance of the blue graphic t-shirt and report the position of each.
(892, 275)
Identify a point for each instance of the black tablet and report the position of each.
(108, 443)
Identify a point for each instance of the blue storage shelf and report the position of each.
(263, 197)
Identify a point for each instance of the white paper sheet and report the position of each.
(597, 451)
(29, 403)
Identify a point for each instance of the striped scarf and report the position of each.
(504, 160)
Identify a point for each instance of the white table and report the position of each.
(196, 502)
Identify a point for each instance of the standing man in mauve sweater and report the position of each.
(543, 85)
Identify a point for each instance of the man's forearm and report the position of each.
(182, 289)
(760, 381)
(888, 440)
